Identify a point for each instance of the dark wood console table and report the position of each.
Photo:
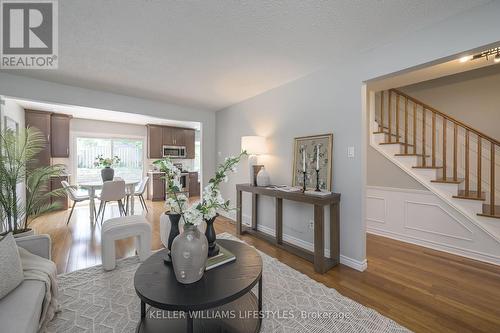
(321, 264)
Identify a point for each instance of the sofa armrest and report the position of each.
(39, 245)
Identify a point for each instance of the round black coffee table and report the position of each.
(221, 301)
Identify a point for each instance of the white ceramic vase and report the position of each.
(263, 178)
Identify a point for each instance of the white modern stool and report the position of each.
(124, 227)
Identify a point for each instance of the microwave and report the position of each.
(174, 151)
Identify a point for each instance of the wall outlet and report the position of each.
(350, 152)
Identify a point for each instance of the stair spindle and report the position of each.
(389, 117)
(414, 128)
(381, 125)
(479, 166)
(397, 117)
(433, 140)
(492, 179)
(424, 160)
(406, 125)
(467, 186)
(445, 124)
(455, 168)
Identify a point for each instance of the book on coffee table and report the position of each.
(222, 258)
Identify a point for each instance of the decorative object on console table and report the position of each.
(313, 153)
(253, 145)
(107, 173)
(263, 178)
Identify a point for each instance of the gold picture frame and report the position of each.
(310, 144)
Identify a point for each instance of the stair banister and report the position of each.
(458, 122)
(489, 210)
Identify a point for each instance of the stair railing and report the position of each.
(393, 129)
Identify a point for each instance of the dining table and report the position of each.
(92, 187)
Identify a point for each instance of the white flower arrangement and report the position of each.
(212, 199)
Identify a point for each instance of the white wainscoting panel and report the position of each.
(421, 218)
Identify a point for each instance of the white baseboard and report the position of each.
(350, 262)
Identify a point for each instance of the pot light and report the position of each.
(465, 59)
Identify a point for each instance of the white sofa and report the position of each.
(20, 310)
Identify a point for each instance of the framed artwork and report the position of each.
(313, 152)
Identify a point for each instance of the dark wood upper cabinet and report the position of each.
(41, 121)
(59, 140)
(159, 136)
(155, 141)
(169, 136)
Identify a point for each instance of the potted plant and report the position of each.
(169, 221)
(189, 250)
(107, 173)
(212, 200)
(18, 153)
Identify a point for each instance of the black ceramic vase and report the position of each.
(174, 232)
(213, 248)
(107, 174)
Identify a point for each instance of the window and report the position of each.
(130, 152)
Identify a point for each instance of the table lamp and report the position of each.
(253, 145)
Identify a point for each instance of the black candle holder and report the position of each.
(304, 185)
(317, 181)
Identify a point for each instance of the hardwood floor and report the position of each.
(422, 289)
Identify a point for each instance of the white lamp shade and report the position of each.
(254, 145)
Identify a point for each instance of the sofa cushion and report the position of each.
(11, 270)
(20, 310)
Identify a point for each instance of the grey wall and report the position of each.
(331, 101)
(22, 87)
(472, 97)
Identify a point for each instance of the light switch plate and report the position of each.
(350, 152)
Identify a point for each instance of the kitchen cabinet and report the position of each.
(41, 121)
(59, 139)
(159, 136)
(155, 141)
(194, 185)
(156, 186)
(55, 183)
(169, 136)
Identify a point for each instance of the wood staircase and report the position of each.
(457, 159)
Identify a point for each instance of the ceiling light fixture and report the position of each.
(497, 57)
(495, 53)
(465, 59)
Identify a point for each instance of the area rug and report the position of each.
(97, 301)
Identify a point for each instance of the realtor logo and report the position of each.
(28, 34)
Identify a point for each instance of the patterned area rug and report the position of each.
(97, 301)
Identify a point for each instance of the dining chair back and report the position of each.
(113, 190)
(142, 186)
(69, 190)
(74, 196)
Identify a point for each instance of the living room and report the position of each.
(292, 87)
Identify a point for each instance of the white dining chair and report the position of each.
(112, 191)
(74, 195)
(139, 192)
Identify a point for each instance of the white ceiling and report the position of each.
(102, 115)
(211, 54)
